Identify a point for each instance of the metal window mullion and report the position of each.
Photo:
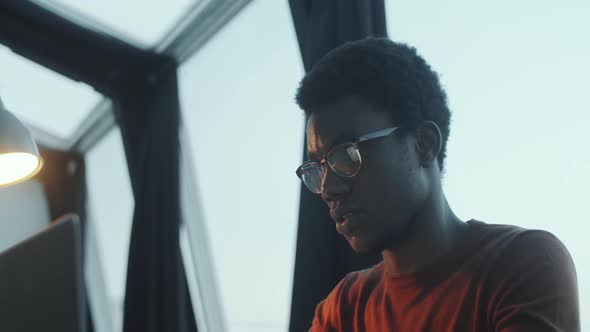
(100, 307)
(209, 314)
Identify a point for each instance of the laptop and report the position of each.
(41, 281)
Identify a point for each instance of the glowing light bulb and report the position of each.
(19, 156)
(17, 167)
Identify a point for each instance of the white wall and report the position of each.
(23, 212)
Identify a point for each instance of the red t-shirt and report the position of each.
(499, 278)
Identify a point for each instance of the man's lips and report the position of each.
(349, 225)
(346, 219)
(343, 214)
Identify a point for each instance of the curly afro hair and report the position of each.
(389, 75)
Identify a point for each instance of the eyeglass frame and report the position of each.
(355, 141)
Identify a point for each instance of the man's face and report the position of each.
(390, 185)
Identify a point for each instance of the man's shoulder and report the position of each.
(535, 245)
(513, 248)
(369, 275)
(344, 295)
(528, 273)
(502, 238)
(357, 282)
(487, 232)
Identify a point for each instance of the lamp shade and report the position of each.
(19, 155)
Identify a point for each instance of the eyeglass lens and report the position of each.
(344, 160)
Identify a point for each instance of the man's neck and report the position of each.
(433, 231)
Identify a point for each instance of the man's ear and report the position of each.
(429, 143)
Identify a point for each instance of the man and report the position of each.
(376, 137)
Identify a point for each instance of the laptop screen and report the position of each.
(41, 281)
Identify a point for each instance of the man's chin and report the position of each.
(363, 248)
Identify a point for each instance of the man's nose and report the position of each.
(333, 186)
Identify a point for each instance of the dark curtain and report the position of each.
(148, 113)
(323, 257)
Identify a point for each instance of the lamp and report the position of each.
(19, 157)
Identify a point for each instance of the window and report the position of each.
(515, 74)
(246, 132)
(110, 212)
(143, 21)
(41, 97)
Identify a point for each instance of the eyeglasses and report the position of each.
(343, 159)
